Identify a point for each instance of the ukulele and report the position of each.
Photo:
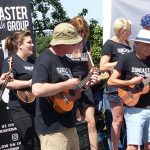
(7, 78)
(130, 95)
(26, 95)
(64, 101)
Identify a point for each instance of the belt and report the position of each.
(111, 93)
(147, 107)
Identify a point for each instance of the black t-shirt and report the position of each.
(80, 68)
(130, 66)
(79, 65)
(22, 70)
(115, 50)
(50, 68)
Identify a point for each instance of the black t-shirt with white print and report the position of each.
(79, 65)
(22, 70)
(80, 68)
(115, 50)
(130, 66)
(50, 68)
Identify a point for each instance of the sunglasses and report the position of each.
(81, 31)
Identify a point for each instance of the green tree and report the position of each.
(51, 13)
(96, 40)
(42, 43)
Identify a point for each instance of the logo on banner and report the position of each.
(15, 137)
(14, 18)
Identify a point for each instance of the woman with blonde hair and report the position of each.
(112, 50)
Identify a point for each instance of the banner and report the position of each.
(15, 15)
(9, 138)
(133, 10)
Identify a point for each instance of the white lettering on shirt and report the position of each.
(144, 72)
(64, 71)
(124, 50)
(30, 68)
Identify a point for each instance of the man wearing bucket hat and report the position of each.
(52, 75)
(132, 70)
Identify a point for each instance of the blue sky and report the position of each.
(94, 8)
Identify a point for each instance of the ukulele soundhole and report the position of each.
(72, 92)
(26, 97)
(139, 87)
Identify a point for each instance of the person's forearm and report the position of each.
(118, 83)
(18, 84)
(48, 89)
(108, 66)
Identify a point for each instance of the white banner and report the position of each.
(132, 9)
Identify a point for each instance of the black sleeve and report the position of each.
(5, 67)
(1, 60)
(86, 46)
(40, 74)
(107, 49)
(120, 66)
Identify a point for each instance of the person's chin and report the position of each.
(31, 53)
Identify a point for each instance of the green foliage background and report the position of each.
(52, 13)
(42, 43)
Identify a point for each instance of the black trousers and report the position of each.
(24, 121)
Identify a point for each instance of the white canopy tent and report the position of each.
(132, 9)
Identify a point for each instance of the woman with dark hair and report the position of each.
(22, 112)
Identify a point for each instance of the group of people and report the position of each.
(129, 66)
(62, 66)
(58, 74)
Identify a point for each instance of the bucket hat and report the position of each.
(65, 33)
(143, 36)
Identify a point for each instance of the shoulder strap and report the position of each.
(90, 59)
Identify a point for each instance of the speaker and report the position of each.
(83, 135)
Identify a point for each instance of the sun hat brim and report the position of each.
(142, 40)
(66, 41)
(143, 36)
